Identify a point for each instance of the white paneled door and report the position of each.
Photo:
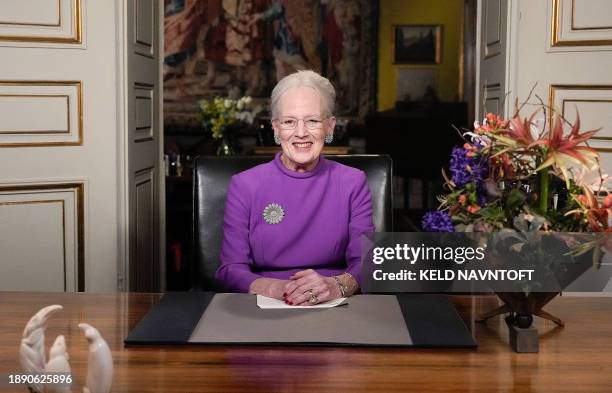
(79, 145)
(562, 49)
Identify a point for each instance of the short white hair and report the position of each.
(305, 78)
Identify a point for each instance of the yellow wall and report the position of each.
(449, 14)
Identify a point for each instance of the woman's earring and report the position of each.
(277, 139)
(329, 138)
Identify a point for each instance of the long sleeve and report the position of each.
(235, 271)
(360, 222)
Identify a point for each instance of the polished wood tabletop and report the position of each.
(575, 358)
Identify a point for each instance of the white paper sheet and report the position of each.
(269, 303)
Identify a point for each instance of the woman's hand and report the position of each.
(270, 287)
(298, 289)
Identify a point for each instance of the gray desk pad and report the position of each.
(432, 320)
(368, 320)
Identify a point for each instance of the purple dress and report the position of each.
(326, 211)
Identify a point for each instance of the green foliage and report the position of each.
(515, 199)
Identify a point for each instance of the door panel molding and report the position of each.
(144, 271)
(596, 99)
(492, 28)
(71, 197)
(50, 100)
(565, 32)
(144, 99)
(66, 28)
(144, 28)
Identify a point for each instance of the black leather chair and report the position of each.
(211, 181)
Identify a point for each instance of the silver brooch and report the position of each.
(273, 213)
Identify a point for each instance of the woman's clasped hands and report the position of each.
(307, 287)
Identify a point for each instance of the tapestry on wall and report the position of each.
(243, 47)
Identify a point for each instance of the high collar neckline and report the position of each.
(299, 175)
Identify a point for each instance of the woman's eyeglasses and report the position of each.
(291, 123)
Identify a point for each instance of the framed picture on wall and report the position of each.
(417, 44)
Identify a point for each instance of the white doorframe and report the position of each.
(123, 256)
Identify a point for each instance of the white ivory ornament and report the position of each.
(33, 360)
(32, 348)
(58, 363)
(100, 362)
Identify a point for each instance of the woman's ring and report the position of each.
(313, 298)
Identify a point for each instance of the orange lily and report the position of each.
(492, 124)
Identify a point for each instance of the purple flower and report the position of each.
(466, 169)
(437, 222)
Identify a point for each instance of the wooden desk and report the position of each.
(571, 359)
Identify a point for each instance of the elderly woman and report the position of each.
(292, 226)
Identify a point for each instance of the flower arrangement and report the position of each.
(533, 184)
(524, 175)
(218, 114)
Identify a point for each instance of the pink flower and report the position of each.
(520, 130)
(563, 150)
